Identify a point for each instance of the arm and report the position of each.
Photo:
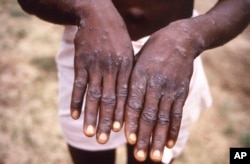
(160, 80)
(222, 23)
(55, 11)
(103, 59)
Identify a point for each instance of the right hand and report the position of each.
(103, 63)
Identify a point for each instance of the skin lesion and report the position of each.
(134, 104)
(149, 116)
(108, 100)
(163, 119)
(94, 93)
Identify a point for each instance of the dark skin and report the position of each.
(150, 93)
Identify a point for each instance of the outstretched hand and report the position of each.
(158, 89)
(103, 63)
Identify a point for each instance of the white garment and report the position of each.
(198, 98)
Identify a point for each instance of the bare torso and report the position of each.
(143, 17)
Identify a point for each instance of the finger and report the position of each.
(121, 92)
(176, 113)
(135, 100)
(92, 102)
(161, 129)
(175, 123)
(148, 118)
(108, 102)
(79, 87)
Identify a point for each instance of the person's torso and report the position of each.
(143, 17)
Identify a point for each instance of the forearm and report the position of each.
(70, 12)
(55, 11)
(223, 22)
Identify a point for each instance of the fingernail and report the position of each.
(141, 154)
(90, 130)
(170, 143)
(103, 138)
(75, 114)
(156, 154)
(116, 125)
(132, 138)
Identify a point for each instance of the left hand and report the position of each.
(159, 86)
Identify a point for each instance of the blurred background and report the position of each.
(29, 130)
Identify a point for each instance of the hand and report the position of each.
(158, 89)
(103, 63)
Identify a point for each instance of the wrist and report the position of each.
(188, 35)
(217, 27)
(88, 9)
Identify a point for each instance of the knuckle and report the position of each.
(109, 62)
(149, 116)
(81, 84)
(109, 100)
(174, 129)
(122, 91)
(157, 81)
(94, 93)
(138, 87)
(182, 90)
(76, 103)
(163, 119)
(169, 85)
(127, 62)
(135, 104)
(177, 116)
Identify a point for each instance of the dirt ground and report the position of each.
(29, 130)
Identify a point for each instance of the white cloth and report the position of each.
(198, 98)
